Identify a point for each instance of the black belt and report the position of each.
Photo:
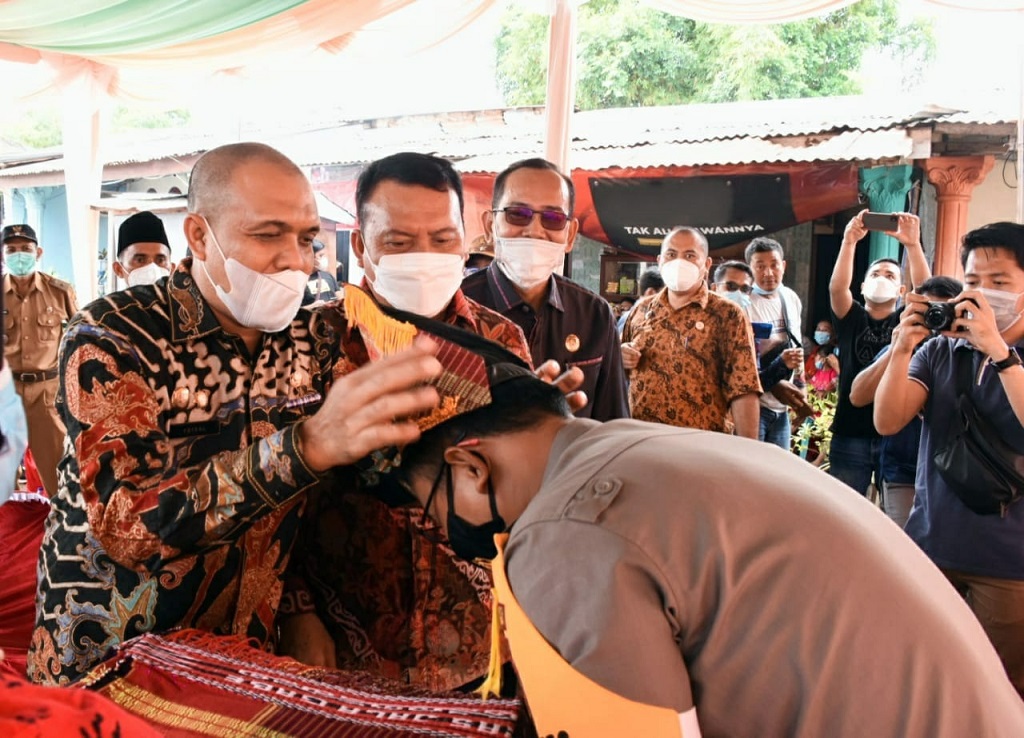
(35, 376)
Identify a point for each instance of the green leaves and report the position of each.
(629, 55)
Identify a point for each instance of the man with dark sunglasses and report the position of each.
(533, 229)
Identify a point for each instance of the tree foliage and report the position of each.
(631, 55)
(41, 127)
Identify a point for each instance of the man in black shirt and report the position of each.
(533, 229)
(862, 331)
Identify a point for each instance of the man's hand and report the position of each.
(793, 357)
(908, 232)
(630, 356)
(855, 229)
(976, 322)
(368, 409)
(305, 638)
(911, 330)
(569, 382)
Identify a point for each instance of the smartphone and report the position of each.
(881, 221)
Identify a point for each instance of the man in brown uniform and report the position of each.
(667, 566)
(36, 307)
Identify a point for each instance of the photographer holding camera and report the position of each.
(981, 554)
(900, 452)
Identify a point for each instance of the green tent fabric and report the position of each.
(100, 27)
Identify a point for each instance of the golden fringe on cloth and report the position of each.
(491, 686)
(382, 334)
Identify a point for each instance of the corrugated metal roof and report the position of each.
(836, 129)
(847, 146)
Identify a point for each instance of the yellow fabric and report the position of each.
(382, 334)
(559, 697)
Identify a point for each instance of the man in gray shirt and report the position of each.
(665, 565)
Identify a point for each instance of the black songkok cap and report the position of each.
(142, 227)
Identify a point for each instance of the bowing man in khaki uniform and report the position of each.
(670, 583)
(36, 307)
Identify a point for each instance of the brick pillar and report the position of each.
(886, 189)
(955, 178)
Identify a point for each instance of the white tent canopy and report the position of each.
(96, 50)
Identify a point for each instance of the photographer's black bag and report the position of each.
(984, 472)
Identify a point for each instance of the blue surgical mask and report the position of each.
(738, 297)
(822, 337)
(20, 263)
(765, 293)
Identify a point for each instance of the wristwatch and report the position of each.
(1013, 359)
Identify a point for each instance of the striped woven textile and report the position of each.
(191, 683)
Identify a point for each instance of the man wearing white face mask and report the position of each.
(862, 331)
(143, 251)
(689, 351)
(346, 602)
(533, 229)
(981, 554)
(200, 413)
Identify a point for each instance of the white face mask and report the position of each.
(528, 261)
(680, 275)
(149, 274)
(1004, 305)
(880, 290)
(421, 283)
(268, 302)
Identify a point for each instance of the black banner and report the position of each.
(637, 213)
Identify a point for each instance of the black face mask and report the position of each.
(470, 541)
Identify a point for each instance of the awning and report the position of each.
(330, 210)
(633, 211)
(135, 202)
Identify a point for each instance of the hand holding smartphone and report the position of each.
(881, 221)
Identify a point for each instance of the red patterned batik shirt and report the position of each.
(396, 604)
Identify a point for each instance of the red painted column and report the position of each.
(955, 178)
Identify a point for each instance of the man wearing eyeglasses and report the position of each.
(533, 229)
(734, 280)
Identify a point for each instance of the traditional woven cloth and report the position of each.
(192, 684)
(462, 384)
(21, 530)
(31, 711)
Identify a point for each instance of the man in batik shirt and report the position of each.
(200, 412)
(690, 352)
(368, 591)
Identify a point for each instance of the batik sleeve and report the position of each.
(739, 359)
(140, 503)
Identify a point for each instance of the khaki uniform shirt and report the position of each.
(33, 324)
(694, 361)
(681, 568)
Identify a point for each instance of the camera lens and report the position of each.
(939, 316)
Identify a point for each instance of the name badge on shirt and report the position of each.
(185, 430)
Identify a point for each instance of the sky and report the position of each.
(978, 56)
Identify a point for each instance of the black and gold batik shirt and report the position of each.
(181, 485)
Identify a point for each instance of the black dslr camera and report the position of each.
(940, 316)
